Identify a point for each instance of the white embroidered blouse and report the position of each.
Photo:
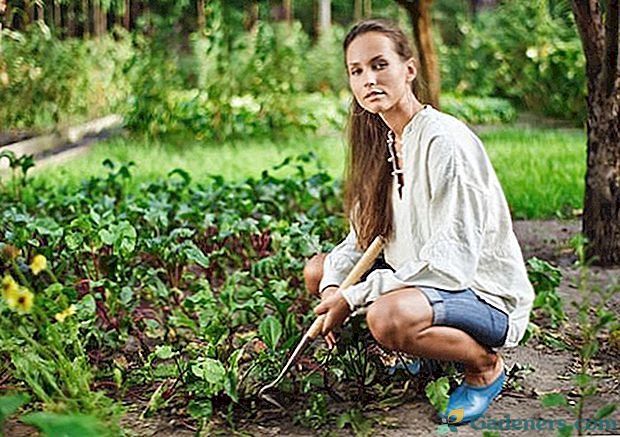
(452, 226)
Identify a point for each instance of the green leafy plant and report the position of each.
(360, 424)
(437, 393)
(545, 279)
(19, 167)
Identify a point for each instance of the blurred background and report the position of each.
(196, 80)
(229, 69)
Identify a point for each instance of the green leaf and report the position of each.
(73, 240)
(54, 290)
(193, 253)
(183, 174)
(590, 349)
(10, 404)
(605, 411)
(554, 400)
(52, 424)
(230, 387)
(565, 431)
(107, 237)
(359, 423)
(582, 379)
(437, 393)
(126, 236)
(126, 295)
(270, 331)
(211, 371)
(200, 409)
(86, 307)
(165, 352)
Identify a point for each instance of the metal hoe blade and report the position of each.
(296, 353)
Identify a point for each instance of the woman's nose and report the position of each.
(370, 79)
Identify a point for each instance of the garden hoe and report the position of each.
(356, 273)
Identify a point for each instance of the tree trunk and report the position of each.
(103, 16)
(137, 9)
(96, 21)
(57, 16)
(601, 215)
(287, 7)
(3, 15)
(200, 16)
(71, 28)
(127, 15)
(251, 15)
(420, 15)
(4, 78)
(31, 13)
(367, 8)
(40, 13)
(325, 16)
(357, 10)
(85, 19)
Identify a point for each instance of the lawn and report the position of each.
(541, 170)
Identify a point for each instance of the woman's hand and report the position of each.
(336, 310)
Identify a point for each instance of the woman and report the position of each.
(457, 287)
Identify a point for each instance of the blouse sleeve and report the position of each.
(340, 261)
(456, 215)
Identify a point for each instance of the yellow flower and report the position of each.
(21, 300)
(69, 311)
(9, 286)
(38, 264)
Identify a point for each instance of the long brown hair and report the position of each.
(368, 187)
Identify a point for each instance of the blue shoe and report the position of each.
(469, 402)
(412, 367)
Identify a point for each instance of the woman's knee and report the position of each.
(396, 318)
(382, 325)
(313, 272)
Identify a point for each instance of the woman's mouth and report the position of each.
(374, 94)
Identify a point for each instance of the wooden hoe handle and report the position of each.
(361, 267)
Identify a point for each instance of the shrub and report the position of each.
(45, 81)
(522, 52)
(479, 110)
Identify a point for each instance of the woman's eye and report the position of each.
(355, 72)
(381, 65)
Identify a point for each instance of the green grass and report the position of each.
(541, 170)
(154, 158)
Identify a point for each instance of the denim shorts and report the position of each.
(464, 310)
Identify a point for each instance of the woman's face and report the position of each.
(378, 77)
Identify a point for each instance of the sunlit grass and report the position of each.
(541, 170)
(232, 160)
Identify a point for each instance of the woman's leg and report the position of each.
(313, 273)
(402, 320)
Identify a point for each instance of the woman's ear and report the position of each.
(412, 71)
